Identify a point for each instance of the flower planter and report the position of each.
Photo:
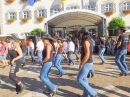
(108, 13)
(63, 1)
(40, 19)
(126, 12)
(9, 1)
(25, 20)
(11, 20)
(24, 1)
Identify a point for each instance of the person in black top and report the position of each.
(85, 66)
(102, 49)
(121, 52)
(24, 51)
(15, 54)
(46, 65)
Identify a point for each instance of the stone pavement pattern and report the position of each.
(106, 80)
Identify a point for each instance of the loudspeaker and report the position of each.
(113, 32)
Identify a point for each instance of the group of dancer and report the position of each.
(52, 53)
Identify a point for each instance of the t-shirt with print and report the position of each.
(124, 41)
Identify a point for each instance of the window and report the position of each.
(75, 7)
(12, 15)
(108, 7)
(126, 5)
(91, 7)
(41, 13)
(26, 14)
(57, 10)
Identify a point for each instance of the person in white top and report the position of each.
(39, 49)
(71, 48)
(31, 45)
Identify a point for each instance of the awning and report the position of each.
(128, 32)
(77, 17)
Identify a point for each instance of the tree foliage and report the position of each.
(36, 31)
(115, 23)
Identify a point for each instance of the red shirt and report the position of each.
(27, 43)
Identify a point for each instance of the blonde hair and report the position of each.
(102, 38)
(59, 41)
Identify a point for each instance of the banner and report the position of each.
(31, 2)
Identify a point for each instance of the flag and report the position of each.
(31, 2)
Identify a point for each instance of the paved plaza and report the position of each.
(106, 80)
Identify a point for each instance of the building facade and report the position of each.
(19, 17)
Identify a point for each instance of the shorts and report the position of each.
(65, 51)
(15, 67)
(3, 57)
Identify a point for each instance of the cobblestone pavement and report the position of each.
(106, 80)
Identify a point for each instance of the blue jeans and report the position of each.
(28, 52)
(81, 78)
(120, 60)
(44, 76)
(39, 54)
(70, 58)
(23, 59)
(32, 54)
(76, 53)
(108, 50)
(58, 64)
(101, 53)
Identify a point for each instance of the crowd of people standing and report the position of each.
(51, 50)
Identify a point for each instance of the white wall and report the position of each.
(19, 27)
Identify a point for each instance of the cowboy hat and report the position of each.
(47, 36)
(59, 38)
(63, 39)
(13, 37)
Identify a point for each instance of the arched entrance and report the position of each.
(77, 18)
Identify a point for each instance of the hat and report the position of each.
(63, 39)
(83, 30)
(59, 38)
(69, 39)
(13, 37)
(47, 36)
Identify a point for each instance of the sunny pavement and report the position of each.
(106, 80)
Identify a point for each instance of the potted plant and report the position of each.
(11, 20)
(9, 1)
(36, 31)
(126, 11)
(114, 24)
(24, 0)
(109, 13)
(40, 19)
(25, 20)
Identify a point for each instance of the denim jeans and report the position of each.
(39, 54)
(58, 64)
(101, 53)
(23, 59)
(120, 60)
(113, 50)
(108, 50)
(76, 53)
(70, 58)
(28, 52)
(44, 76)
(81, 78)
(32, 54)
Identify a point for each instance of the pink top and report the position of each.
(3, 48)
(65, 45)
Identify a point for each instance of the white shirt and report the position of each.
(40, 45)
(31, 45)
(55, 44)
(71, 46)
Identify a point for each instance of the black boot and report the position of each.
(20, 88)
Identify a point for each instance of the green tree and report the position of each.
(36, 31)
(115, 23)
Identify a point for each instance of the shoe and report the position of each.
(72, 64)
(103, 63)
(121, 74)
(54, 92)
(46, 92)
(125, 74)
(23, 64)
(59, 75)
(20, 88)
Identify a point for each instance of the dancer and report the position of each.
(85, 66)
(102, 49)
(58, 58)
(46, 65)
(24, 51)
(76, 42)
(65, 46)
(15, 54)
(121, 52)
